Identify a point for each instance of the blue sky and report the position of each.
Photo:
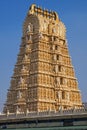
(12, 14)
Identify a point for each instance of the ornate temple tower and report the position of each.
(44, 77)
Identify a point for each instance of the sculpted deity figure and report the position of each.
(63, 69)
(65, 81)
(58, 80)
(23, 68)
(56, 68)
(30, 27)
(25, 57)
(27, 47)
(67, 95)
(44, 26)
(17, 109)
(27, 111)
(21, 81)
(52, 38)
(59, 95)
(53, 47)
(30, 38)
(54, 57)
(40, 35)
(54, 30)
(19, 94)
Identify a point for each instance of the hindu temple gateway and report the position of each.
(44, 77)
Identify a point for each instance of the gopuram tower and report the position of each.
(43, 77)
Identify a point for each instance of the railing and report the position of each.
(42, 114)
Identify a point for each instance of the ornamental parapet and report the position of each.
(41, 72)
(45, 13)
(61, 88)
(21, 100)
(25, 72)
(47, 100)
(41, 85)
(20, 103)
(25, 61)
(21, 87)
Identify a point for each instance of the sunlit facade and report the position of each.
(43, 77)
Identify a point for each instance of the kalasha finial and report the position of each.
(31, 10)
